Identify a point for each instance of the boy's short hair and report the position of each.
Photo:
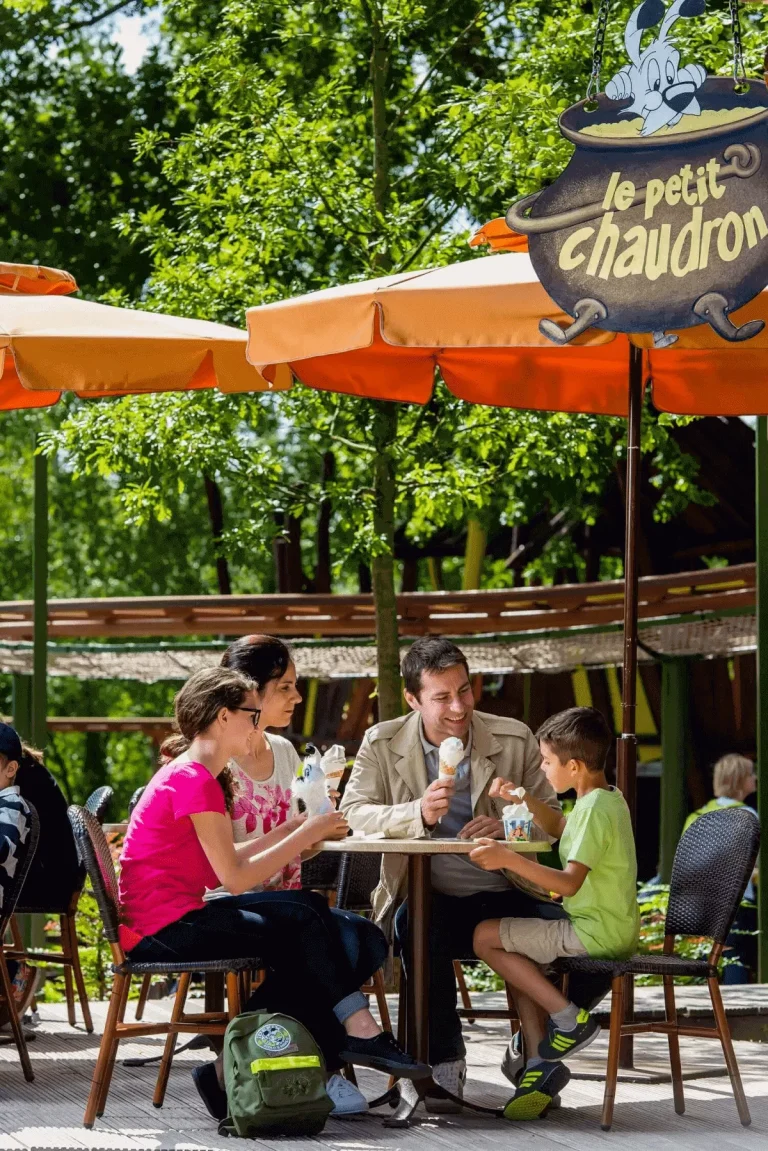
(731, 773)
(430, 653)
(578, 733)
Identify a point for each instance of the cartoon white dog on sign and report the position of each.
(661, 90)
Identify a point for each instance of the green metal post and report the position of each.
(675, 753)
(21, 705)
(40, 610)
(761, 544)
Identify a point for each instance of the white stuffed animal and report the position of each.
(661, 90)
(311, 787)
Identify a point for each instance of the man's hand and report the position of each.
(436, 800)
(492, 856)
(482, 825)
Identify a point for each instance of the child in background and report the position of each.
(599, 890)
(14, 831)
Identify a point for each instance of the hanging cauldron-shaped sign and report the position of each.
(660, 220)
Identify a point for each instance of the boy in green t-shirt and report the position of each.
(598, 884)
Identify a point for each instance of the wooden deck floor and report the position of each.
(48, 1112)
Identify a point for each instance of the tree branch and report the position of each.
(425, 80)
(93, 20)
(429, 236)
(318, 191)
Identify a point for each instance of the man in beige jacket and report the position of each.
(394, 790)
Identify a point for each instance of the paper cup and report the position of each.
(517, 829)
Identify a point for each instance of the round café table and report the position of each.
(419, 853)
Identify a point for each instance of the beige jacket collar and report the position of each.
(408, 753)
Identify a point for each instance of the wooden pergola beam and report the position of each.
(421, 613)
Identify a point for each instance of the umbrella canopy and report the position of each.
(96, 350)
(477, 323)
(30, 280)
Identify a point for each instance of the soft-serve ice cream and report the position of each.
(451, 755)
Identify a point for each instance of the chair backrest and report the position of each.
(712, 866)
(25, 853)
(322, 871)
(135, 799)
(359, 878)
(98, 802)
(94, 852)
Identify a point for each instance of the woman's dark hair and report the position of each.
(261, 657)
(195, 708)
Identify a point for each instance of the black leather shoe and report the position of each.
(210, 1090)
(383, 1053)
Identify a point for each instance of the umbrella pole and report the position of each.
(626, 752)
(626, 757)
(761, 538)
(39, 732)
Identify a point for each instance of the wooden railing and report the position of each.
(421, 613)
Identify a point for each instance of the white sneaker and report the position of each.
(512, 1063)
(347, 1099)
(451, 1076)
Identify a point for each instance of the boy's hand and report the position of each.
(491, 856)
(482, 825)
(503, 789)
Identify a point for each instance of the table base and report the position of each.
(406, 1097)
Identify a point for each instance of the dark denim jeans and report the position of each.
(317, 957)
(452, 925)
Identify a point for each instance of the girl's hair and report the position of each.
(195, 708)
(731, 773)
(261, 657)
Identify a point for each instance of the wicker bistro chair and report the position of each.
(323, 872)
(135, 799)
(98, 802)
(25, 856)
(95, 854)
(146, 982)
(711, 868)
(69, 956)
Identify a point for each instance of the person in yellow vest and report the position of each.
(734, 779)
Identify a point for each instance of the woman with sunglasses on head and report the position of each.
(180, 842)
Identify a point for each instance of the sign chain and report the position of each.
(739, 73)
(597, 50)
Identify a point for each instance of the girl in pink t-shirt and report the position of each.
(180, 841)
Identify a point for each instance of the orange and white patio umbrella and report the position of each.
(51, 343)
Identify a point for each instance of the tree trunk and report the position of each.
(477, 539)
(383, 564)
(286, 549)
(323, 569)
(216, 514)
(384, 414)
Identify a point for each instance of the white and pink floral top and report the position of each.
(261, 805)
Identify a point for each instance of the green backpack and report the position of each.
(274, 1076)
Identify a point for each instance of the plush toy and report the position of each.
(311, 787)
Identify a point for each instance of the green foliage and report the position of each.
(286, 183)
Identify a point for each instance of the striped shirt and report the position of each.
(14, 832)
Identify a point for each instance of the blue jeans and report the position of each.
(452, 926)
(316, 957)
